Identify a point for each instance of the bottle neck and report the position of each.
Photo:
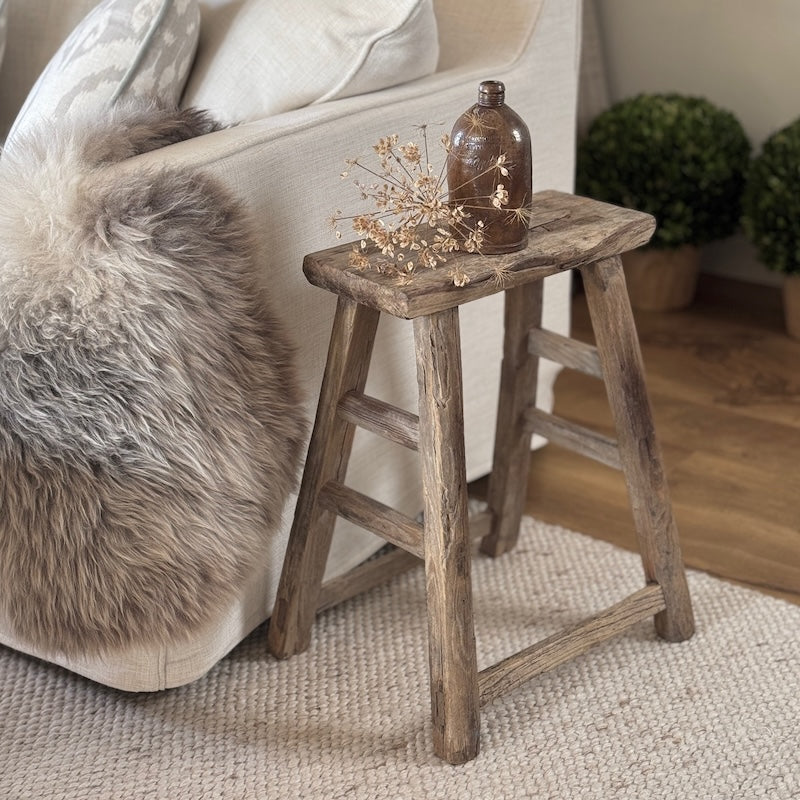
(491, 93)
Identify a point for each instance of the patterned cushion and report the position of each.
(289, 53)
(122, 48)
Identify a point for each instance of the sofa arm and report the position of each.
(286, 172)
(539, 67)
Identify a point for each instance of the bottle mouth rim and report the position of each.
(492, 86)
(491, 92)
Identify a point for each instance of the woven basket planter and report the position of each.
(662, 280)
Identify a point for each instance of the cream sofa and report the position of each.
(286, 169)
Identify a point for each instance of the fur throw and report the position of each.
(150, 418)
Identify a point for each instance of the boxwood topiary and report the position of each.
(771, 201)
(681, 159)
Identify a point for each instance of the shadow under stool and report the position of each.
(568, 232)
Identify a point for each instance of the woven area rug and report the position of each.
(717, 717)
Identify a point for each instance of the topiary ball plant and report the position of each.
(681, 159)
(771, 201)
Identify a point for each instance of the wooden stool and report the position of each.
(577, 234)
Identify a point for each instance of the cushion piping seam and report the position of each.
(144, 47)
(365, 53)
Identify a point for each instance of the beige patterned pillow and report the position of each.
(122, 48)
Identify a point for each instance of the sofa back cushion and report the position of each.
(468, 35)
(257, 58)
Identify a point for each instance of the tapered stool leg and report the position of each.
(349, 353)
(512, 442)
(451, 637)
(640, 454)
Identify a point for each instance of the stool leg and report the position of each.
(451, 638)
(623, 372)
(508, 482)
(349, 353)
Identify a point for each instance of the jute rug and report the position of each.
(714, 718)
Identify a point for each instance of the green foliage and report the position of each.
(679, 158)
(771, 201)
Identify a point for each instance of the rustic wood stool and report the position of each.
(569, 233)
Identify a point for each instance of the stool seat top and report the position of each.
(567, 231)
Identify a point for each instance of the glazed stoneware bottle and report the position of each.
(491, 155)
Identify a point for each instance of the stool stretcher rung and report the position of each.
(395, 424)
(373, 515)
(563, 350)
(378, 570)
(582, 440)
(365, 576)
(542, 656)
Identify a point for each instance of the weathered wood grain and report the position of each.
(573, 233)
(563, 350)
(575, 437)
(582, 231)
(349, 353)
(374, 516)
(381, 418)
(512, 441)
(451, 637)
(382, 568)
(515, 670)
(366, 576)
(640, 453)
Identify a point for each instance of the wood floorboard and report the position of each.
(724, 383)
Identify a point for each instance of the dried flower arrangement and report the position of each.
(414, 225)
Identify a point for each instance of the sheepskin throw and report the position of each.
(150, 419)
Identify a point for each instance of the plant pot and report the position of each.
(662, 280)
(791, 304)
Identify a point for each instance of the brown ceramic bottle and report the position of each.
(489, 131)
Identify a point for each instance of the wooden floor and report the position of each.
(724, 382)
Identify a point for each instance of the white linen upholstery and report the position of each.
(121, 49)
(258, 58)
(479, 38)
(286, 170)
